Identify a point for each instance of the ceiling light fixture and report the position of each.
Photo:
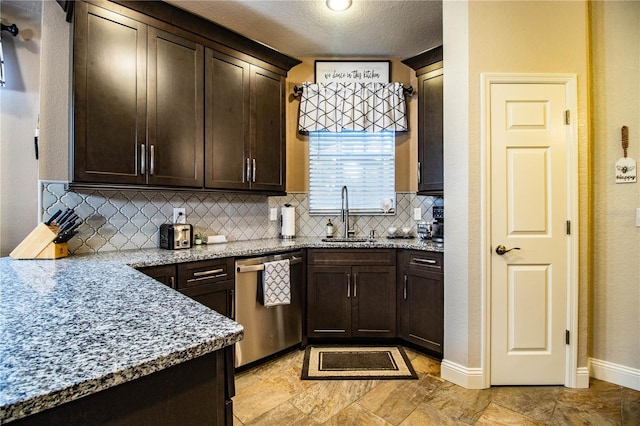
(338, 5)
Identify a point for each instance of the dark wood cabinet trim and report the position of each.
(160, 14)
(425, 58)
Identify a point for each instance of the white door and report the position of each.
(529, 210)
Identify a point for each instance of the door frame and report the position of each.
(570, 83)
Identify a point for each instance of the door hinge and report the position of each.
(568, 227)
(567, 117)
(566, 337)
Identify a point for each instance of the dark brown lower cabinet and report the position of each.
(351, 293)
(420, 286)
(166, 274)
(210, 282)
(195, 392)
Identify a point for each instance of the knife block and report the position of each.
(39, 245)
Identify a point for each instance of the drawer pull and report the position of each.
(427, 261)
(211, 272)
(208, 277)
(172, 282)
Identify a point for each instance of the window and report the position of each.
(364, 162)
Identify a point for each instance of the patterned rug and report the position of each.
(356, 363)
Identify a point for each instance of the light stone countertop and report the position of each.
(74, 326)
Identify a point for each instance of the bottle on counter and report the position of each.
(329, 229)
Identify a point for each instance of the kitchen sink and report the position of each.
(348, 240)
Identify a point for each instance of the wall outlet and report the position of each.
(638, 218)
(417, 213)
(179, 215)
(273, 214)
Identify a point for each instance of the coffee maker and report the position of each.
(438, 224)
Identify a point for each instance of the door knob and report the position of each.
(502, 249)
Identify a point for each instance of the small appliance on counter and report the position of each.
(174, 236)
(438, 224)
(424, 230)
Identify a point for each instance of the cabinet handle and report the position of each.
(143, 159)
(253, 170)
(427, 261)
(152, 161)
(355, 285)
(348, 286)
(232, 304)
(210, 272)
(419, 172)
(405, 287)
(247, 171)
(172, 282)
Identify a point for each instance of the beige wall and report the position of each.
(298, 148)
(508, 37)
(615, 34)
(18, 118)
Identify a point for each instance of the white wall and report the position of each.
(615, 40)
(19, 104)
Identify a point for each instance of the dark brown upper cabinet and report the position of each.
(110, 96)
(429, 70)
(138, 109)
(175, 111)
(145, 75)
(245, 127)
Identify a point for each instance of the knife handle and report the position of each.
(52, 218)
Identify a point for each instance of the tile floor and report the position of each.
(273, 394)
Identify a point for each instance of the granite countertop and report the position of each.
(74, 326)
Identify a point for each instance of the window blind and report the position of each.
(364, 162)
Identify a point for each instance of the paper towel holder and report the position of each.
(288, 222)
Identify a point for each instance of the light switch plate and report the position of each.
(273, 214)
(417, 213)
(638, 218)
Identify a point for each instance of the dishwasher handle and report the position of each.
(260, 266)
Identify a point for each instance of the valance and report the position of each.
(337, 107)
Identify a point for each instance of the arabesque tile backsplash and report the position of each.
(130, 219)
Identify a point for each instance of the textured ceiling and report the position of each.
(307, 28)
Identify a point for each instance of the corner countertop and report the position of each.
(74, 326)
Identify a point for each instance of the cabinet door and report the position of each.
(421, 308)
(218, 296)
(175, 110)
(166, 274)
(227, 142)
(328, 301)
(267, 130)
(373, 301)
(109, 96)
(430, 133)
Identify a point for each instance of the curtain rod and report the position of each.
(13, 29)
(297, 91)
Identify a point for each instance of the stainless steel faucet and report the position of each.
(345, 212)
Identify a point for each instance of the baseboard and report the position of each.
(615, 373)
(469, 378)
(582, 378)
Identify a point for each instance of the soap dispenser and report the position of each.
(329, 229)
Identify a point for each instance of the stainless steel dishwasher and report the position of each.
(267, 330)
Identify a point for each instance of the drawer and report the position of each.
(423, 259)
(351, 257)
(205, 272)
